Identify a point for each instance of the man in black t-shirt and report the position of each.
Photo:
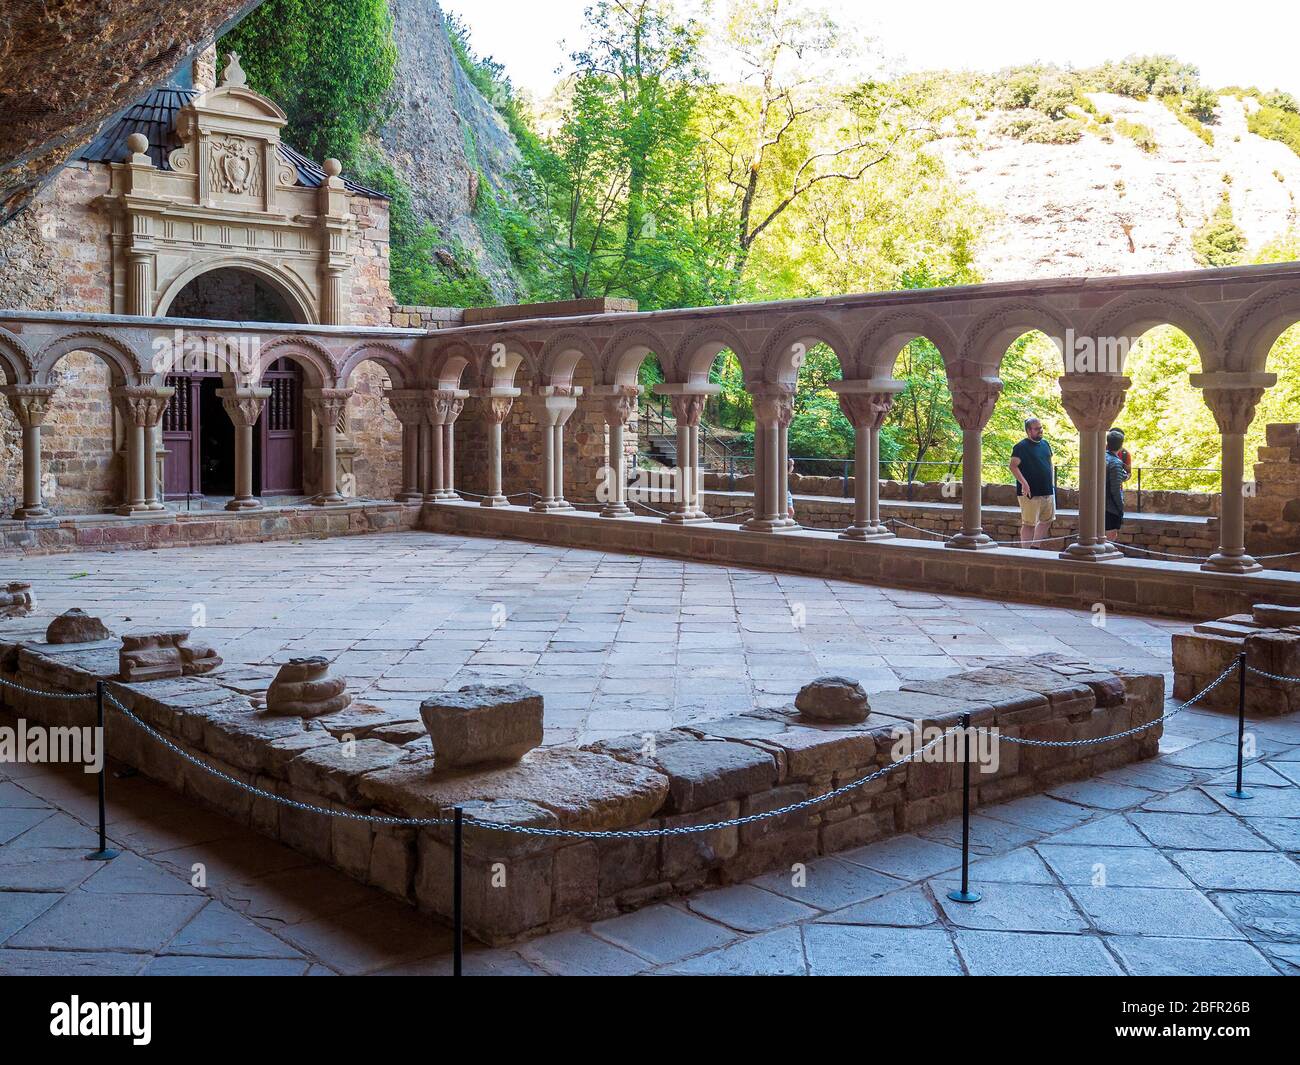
(1031, 465)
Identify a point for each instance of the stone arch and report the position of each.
(562, 353)
(880, 343)
(447, 369)
(1257, 325)
(291, 289)
(697, 349)
(392, 358)
(516, 351)
(316, 360)
(15, 360)
(123, 363)
(626, 350)
(1127, 318)
(984, 344)
(780, 360)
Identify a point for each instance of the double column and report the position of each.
(973, 400)
(1093, 402)
(1232, 398)
(773, 410)
(617, 404)
(244, 406)
(687, 402)
(141, 408)
(328, 404)
(30, 404)
(496, 409)
(408, 405)
(866, 404)
(553, 406)
(442, 407)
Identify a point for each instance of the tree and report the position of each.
(782, 132)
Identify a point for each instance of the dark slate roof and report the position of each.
(155, 117)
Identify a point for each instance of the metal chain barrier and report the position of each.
(1001, 543)
(1273, 676)
(45, 694)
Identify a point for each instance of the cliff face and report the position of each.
(1094, 207)
(443, 134)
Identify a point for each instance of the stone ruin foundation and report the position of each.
(365, 759)
(1270, 637)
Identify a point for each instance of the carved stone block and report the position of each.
(303, 687)
(158, 655)
(76, 626)
(16, 601)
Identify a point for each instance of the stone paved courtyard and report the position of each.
(617, 643)
(1195, 883)
(1146, 869)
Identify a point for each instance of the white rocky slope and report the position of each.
(1110, 208)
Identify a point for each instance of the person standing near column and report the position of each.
(1031, 465)
(1116, 475)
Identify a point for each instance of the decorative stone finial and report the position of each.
(332, 167)
(137, 143)
(233, 76)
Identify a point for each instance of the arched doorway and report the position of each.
(198, 436)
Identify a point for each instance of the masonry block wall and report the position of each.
(376, 433)
(1273, 510)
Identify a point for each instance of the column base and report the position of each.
(980, 541)
(1224, 563)
(130, 510)
(494, 501)
(686, 517)
(768, 525)
(333, 500)
(544, 506)
(31, 513)
(1102, 552)
(247, 503)
(866, 532)
(409, 497)
(616, 510)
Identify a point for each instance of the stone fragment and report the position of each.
(76, 626)
(304, 688)
(836, 699)
(17, 601)
(705, 772)
(158, 655)
(482, 725)
(1275, 616)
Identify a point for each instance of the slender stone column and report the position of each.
(973, 400)
(866, 404)
(407, 405)
(617, 405)
(244, 407)
(30, 404)
(1093, 402)
(448, 403)
(773, 409)
(688, 405)
(496, 408)
(1232, 398)
(328, 404)
(553, 404)
(142, 408)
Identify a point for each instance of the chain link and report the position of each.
(1273, 676)
(45, 694)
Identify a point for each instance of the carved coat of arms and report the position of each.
(235, 166)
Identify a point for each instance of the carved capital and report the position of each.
(687, 407)
(446, 406)
(773, 404)
(407, 404)
(1233, 408)
(30, 403)
(328, 403)
(973, 400)
(497, 408)
(866, 410)
(142, 406)
(243, 405)
(619, 406)
(1093, 401)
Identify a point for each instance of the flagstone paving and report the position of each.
(616, 643)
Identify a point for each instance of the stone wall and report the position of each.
(371, 298)
(1273, 510)
(701, 774)
(376, 434)
(82, 472)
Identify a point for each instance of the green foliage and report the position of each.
(1138, 133)
(1276, 124)
(1040, 130)
(1220, 241)
(328, 63)
(1193, 111)
(1148, 75)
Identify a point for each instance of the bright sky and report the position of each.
(1240, 44)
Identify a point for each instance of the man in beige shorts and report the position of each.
(1031, 465)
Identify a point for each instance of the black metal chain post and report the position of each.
(103, 854)
(457, 894)
(1241, 793)
(965, 894)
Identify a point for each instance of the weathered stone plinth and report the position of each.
(304, 688)
(833, 699)
(1270, 637)
(482, 725)
(16, 601)
(76, 626)
(158, 655)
